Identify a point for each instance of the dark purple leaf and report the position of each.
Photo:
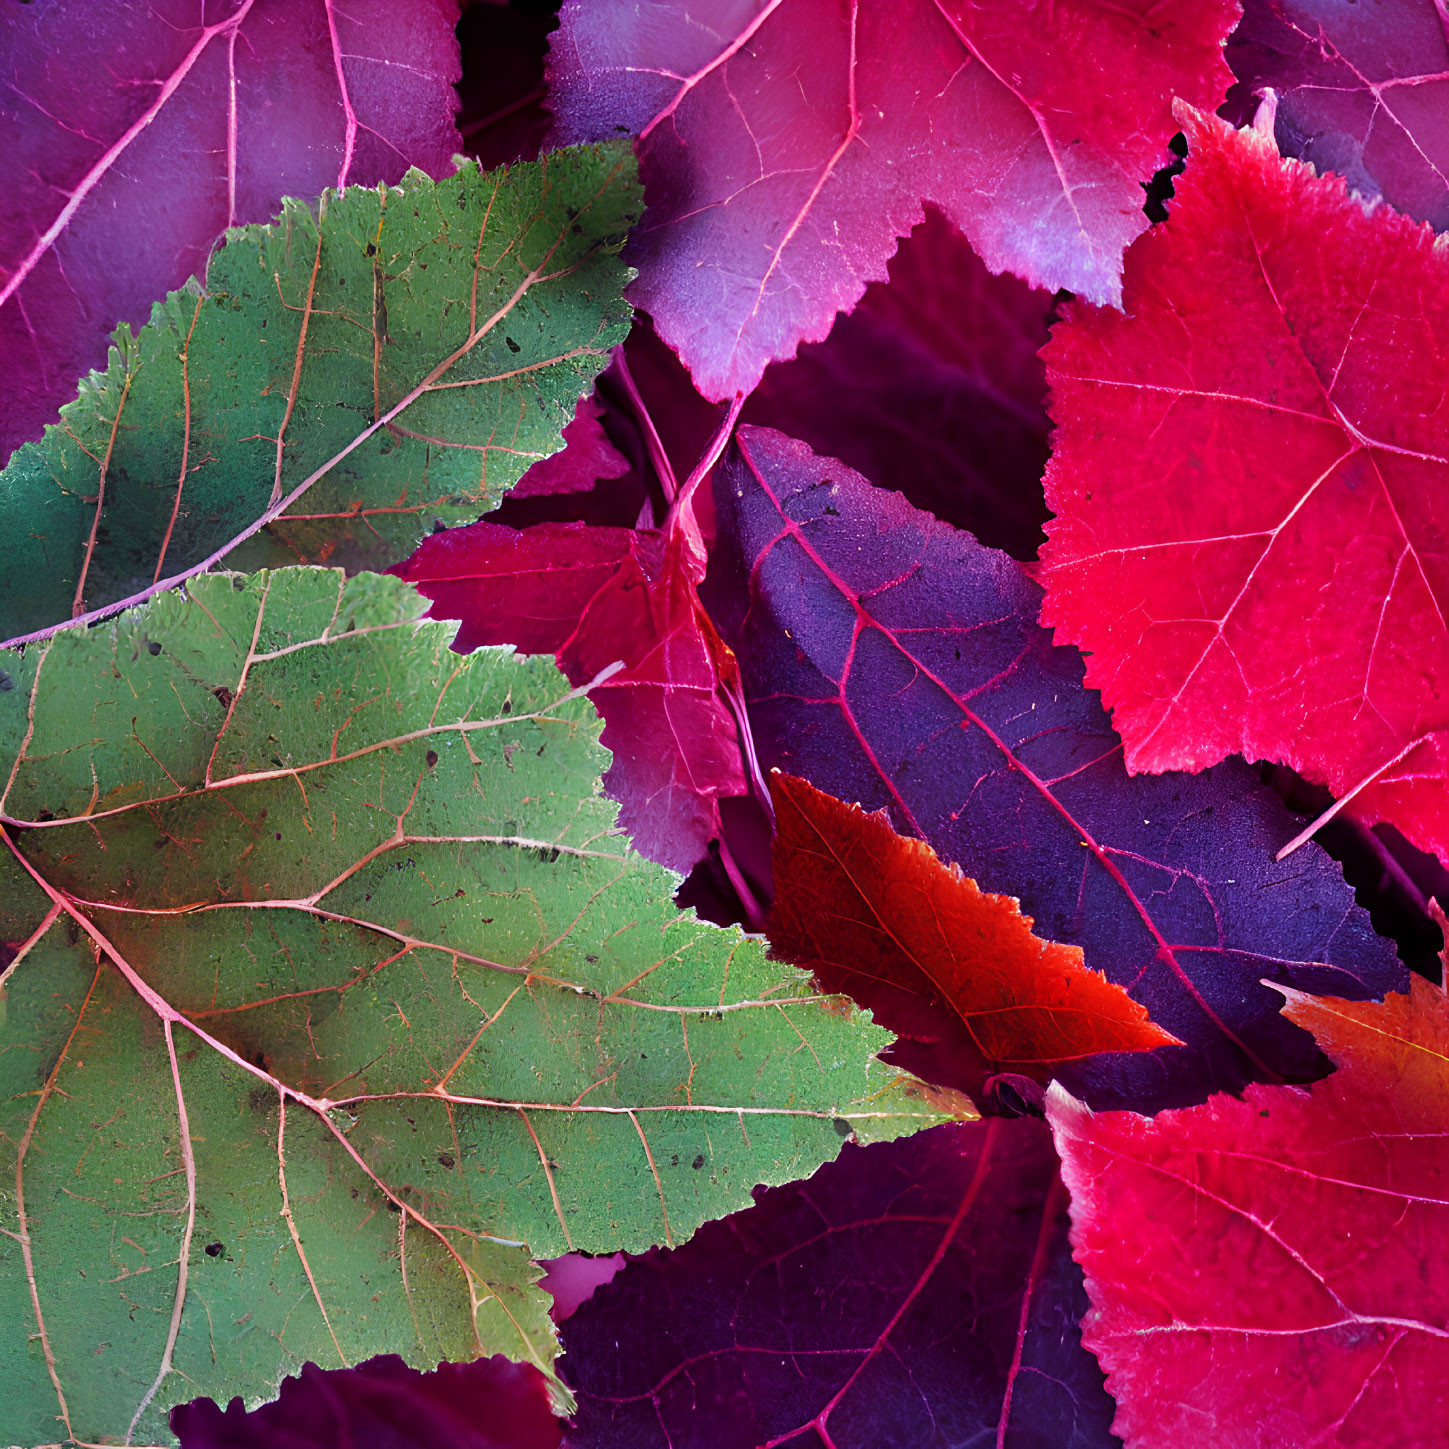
(917, 1294)
(136, 133)
(1363, 91)
(892, 660)
(383, 1404)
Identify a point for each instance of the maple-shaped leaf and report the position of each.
(341, 381)
(136, 134)
(1362, 91)
(892, 660)
(334, 988)
(1253, 499)
(863, 908)
(383, 1404)
(596, 597)
(931, 387)
(1274, 1267)
(787, 144)
(912, 1293)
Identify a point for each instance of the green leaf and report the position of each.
(335, 985)
(342, 381)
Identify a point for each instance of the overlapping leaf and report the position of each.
(331, 989)
(892, 660)
(490, 1404)
(1274, 1267)
(1268, 576)
(873, 913)
(914, 1293)
(341, 381)
(787, 144)
(1360, 90)
(136, 134)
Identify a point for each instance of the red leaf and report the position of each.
(595, 597)
(860, 905)
(1362, 90)
(787, 144)
(1271, 1271)
(932, 387)
(135, 134)
(1252, 481)
(587, 457)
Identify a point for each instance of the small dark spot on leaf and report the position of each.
(1263, 1113)
(592, 960)
(152, 648)
(370, 250)
(432, 758)
(214, 1250)
(506, 707)
(239, 582)
(6, 683)
(512, 345)
(393, 1207)
(445, 1159)
(698, 1162)
(439, 526)
(224, 695)
(842, 1126)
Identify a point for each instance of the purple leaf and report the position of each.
(383, 1404)
(916, 1294)
(586, 458)
(891, 660)
(1363, 91)
(136, 133)
(785, 145)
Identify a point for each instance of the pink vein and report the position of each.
(350, 139)
(92, 178)
(688, 83)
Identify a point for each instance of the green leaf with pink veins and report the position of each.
(334, 998)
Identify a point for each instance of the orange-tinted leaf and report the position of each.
(865, 907)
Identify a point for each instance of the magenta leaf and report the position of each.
(586, 458)
(915, 1293)
(785, 145)
(933, 388)
(383, 1404)
(596, 597)
(893, 661)
(1362, 90)
(136, 134)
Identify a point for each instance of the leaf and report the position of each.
(1362, 92)
(335, 388)
(911, 1293)
(1266, 578)
(859, 906)
(596, 597)
(135, 135)
(931, 387)
(587, 457)
(336, 987)
(787, 144)
(892, 660)
(382, 1404)
(1274, 1266)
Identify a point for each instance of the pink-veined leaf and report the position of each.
(137, 133)
(787, 144)
(1251, 481)
(1270, 1271)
